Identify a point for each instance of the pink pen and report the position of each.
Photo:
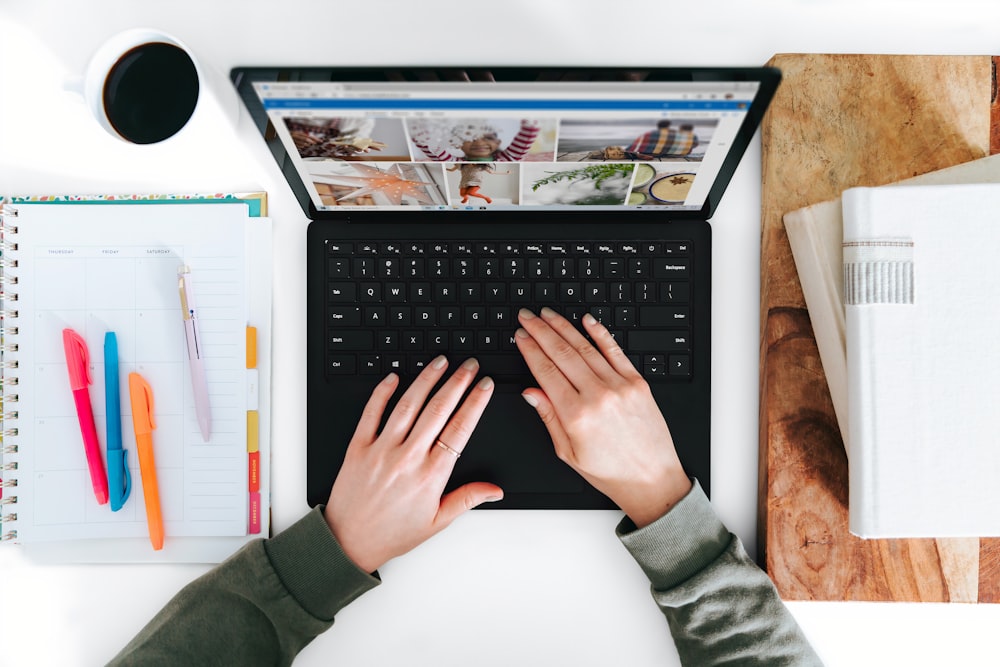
(199, 381)
(78, 364)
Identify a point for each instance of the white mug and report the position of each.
(143, 86)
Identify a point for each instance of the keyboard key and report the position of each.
(338, 248)
(371, 292)
(570, 292)
(395, 292)
(413, 341)
(663, 316)
(342, 292)
(342, 364)
(437, 340)
(595, 292)
(414, 268)
(679, 365)
(339, 267)
(369, 364)
(520, 292)
(675, 292)
(463, 341)
(488, 340)
(388, 340)
(364, 267)
(420, 293)
(388, 267)
(647, 340)
(347, 316)
(351, 340)
(672, 268)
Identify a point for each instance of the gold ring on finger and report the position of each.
(442, 445)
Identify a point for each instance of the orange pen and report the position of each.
(141, 395)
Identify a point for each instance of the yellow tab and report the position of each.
(253, 427)
(251, 347)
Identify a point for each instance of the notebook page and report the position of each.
(98, 268)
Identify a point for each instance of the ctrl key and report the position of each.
(679, 365)
(341, 364)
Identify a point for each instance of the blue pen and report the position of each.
(119, 479)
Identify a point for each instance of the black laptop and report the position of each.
(442, 201)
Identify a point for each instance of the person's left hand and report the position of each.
(387, 498)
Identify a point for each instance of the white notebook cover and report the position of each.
(922, 295)
(815, 234)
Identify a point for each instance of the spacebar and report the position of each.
(502, 365)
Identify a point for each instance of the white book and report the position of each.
(815, 234)
(922, 307)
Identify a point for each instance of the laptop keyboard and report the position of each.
(395, 305)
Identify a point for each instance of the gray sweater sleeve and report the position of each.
(260, 607)
(721, 608)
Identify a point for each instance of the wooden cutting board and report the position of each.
(839, 121)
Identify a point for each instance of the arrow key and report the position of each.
(679, 365)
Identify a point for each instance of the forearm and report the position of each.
(261, 606)
(721, 608)
(435, 155)
(521, 143)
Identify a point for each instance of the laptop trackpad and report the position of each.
(511, 448)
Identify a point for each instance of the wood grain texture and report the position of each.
(840, 121)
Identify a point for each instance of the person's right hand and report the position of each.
(601, 415)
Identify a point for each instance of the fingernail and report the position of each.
(530, 400)
(486, 383)
(548, 312)
(492, 499)
(439, 363)
(521, 333)
(589, 319)
(389, 379)
(525, 314)
(470, 364)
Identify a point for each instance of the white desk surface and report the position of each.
(497, 588)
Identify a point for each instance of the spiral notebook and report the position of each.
(112, 265)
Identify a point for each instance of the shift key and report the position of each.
(351, 341)
(658, 341)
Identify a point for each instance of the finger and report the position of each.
(549, 376)
(371, 416)
(609, 347)
(439, 409)
(562, 344)
(590, 354)
(456, 434)
(412, 402)
(464, 498)
(537, 399)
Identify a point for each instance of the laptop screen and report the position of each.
(441, 145)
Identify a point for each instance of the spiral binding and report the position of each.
(8, 346)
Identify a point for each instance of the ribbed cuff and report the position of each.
(680, 543)
(314, 568)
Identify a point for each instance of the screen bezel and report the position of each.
(243, 78)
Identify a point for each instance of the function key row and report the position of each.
(504, 248)
(509, 267)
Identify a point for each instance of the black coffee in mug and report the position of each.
(151, 92)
